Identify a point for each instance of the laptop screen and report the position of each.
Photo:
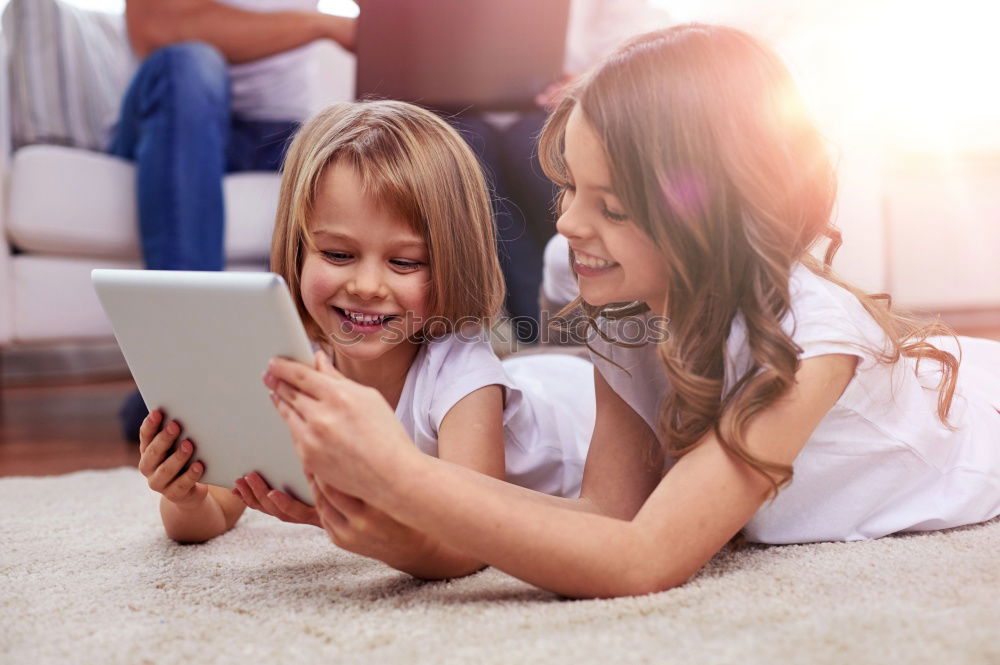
(456, 54)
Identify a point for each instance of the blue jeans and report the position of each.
(176, 124)
(523, 206)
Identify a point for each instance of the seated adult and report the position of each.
(221, 88)
(523, 201)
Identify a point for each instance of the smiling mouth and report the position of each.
(593, 262)
(591, 266)
(365, 319)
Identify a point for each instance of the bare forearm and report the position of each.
(507, 489)
(440, 562)
(200, 523)
(436, 560)
(559, 545)
(241, 35)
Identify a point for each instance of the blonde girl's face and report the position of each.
(366, 284)
(614, 260)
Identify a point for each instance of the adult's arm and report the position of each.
(699, 505)
(623, 466)
(241, 35)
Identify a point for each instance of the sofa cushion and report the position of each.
(80, 203)
(72, 310)
(53, 298)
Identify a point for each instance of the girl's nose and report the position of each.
(570, 223)
(367, 283)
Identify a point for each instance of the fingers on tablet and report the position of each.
(261, 492)
(258, 488)
(294, 509)
(157, 449)
(150, 426)
(180, 488)
(245, 493)
(171, 467)
(270, 380)
(152, 454)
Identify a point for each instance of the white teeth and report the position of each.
(365, 319)
(593, 261)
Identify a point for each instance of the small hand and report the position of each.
(161, 471)
(257, 494)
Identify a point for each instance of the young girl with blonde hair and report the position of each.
(783, 404)
(385, 237)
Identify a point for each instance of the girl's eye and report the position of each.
(403, 264)
(565, 197)
(613, 216)
(337, 257)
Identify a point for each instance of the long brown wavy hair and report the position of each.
(713, 155)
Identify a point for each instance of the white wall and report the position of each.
(339, 7)
(905, 91)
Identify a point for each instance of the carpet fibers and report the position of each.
(87, 576)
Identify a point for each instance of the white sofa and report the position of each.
(65, 211)
(926, 231)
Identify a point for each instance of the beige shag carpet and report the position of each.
(87, 576)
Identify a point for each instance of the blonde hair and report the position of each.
(412, 162)
(713, 155)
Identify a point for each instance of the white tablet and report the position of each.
(197, 344)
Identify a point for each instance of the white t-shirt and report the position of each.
(880, 461)
(276, 87)
(558, 279)
(548, 406)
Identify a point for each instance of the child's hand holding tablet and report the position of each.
(197, 344)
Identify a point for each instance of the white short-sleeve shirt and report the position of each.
(880, 461)
(548, 406)
(277, 87)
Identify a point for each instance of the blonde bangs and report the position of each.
(416, 166)
(385, 180)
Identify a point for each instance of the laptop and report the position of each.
(451, 55)
(197, 344)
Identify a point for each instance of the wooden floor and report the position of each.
(62, 428)
(55, 429)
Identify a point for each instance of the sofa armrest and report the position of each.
(6, 275)
(5, 139)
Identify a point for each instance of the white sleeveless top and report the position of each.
(548, 406)
(880, 461)
(276, 87)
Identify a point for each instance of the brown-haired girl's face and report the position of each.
(366, 284)
(614, 260)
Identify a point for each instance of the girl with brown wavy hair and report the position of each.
(741, 387)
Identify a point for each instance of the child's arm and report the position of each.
(192, 512)
(471, 435)
(704, 500)
(217, 513)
